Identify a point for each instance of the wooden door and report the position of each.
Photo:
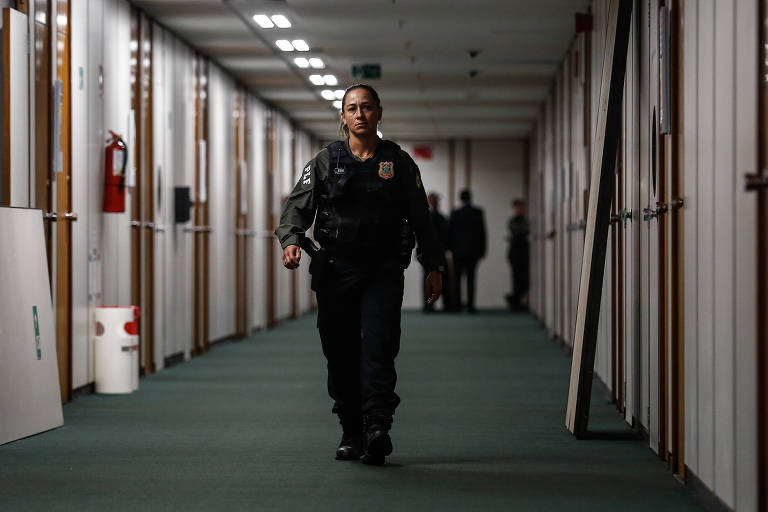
(62, 191)
(200, 213)
(674, 258)
(42, 94)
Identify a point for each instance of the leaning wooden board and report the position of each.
(598, 216)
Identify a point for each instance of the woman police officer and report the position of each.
(369, 200)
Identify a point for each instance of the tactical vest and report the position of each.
(361, 205)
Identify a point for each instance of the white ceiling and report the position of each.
(422, 46)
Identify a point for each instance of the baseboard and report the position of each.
(174, 359)
(706, 496)
(87, 389)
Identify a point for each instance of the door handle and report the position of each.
(70, 216)
(649, 213)
(135, 224)
(50, 216)
(197, 229)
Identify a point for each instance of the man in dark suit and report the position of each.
(441, 228)
(467, 241)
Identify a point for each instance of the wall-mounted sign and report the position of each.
(423, 152)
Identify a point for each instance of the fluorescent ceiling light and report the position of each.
(281, 21)
(339, 93)
(316, 63)
(284, 45)
(300, 45)
(316, 79)
(263, 21)
(328, 94)
(330, 80)
(301, 62)
(337, 104)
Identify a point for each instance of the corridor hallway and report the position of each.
(248, 427)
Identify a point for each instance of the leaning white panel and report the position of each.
(30, 400)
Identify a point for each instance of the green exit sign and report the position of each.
(366, 71)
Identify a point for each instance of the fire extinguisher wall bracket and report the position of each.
(115, 160)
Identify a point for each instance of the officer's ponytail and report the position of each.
(343, 129)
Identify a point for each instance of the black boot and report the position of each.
(378, 444)
(351, 445)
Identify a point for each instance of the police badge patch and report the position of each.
(386, 170)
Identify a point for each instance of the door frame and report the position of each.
(676, 243)
(762, 257)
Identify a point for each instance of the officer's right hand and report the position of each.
(291, 256)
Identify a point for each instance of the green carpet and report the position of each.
(248, 427)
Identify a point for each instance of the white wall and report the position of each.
(719, 145)
(284, 181)
(257, 215)
(221, 200)
(720, 312)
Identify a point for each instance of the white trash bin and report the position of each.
(115, 351)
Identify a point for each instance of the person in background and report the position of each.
(467, 241)
(519, 229)
(440, 225)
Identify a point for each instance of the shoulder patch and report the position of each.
(306, 176)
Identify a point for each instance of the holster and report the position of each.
(320, 264)
(319, 268)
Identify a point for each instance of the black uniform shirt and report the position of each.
(299, 212)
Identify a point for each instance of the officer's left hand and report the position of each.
(434, 286)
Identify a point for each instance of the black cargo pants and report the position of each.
(359, 306)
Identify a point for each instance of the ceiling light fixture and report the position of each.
(301, 62)
(263, 21)
(284, 45)
(330, 80)
(328, 94)
(337, 104)
(316, 79)
(300, 45)
(316, 63)
(339, 93)
(281, 21)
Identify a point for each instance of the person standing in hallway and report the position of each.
(519, 229)
(440, 226)
(371, 209)
(467, 241)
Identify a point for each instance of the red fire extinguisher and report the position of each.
(115, 161)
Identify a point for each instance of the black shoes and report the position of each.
(350, 447)
(378, 445)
